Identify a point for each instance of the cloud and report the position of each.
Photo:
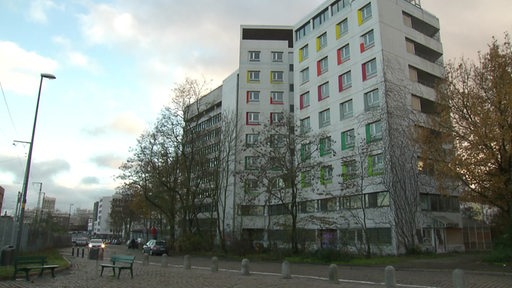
(90, 180)
(48, 169)
(20, 68)
(39, 9)
(108, 161)
(124, 123)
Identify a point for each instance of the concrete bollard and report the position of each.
(215, 264)
(145, 259)
(186, 262)
(459, 280)
(389, 277)
(245, 267)
(165, 260)
(333, 273)
(285, 270)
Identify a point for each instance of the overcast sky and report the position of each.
(116, 62)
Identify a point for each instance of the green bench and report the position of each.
(27, 263)
(119, 262)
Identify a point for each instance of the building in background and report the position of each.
(102, 227)
(48, 206)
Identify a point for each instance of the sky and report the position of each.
(116, 62)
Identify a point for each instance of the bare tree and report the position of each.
(281, 161)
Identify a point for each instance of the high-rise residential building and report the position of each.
(102, 218)
(362, 73)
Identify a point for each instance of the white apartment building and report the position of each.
(344, 69)
(102, 218)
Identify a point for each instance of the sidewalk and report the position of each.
(419, 273)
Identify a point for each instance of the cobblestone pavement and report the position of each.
(85, 273)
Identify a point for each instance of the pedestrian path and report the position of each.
(84, 272)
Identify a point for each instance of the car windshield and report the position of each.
(96, 241)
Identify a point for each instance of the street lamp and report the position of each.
(69, 217)
(27, 167)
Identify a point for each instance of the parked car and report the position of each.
(155, 247)
(96, 243)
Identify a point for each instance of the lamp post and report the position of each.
(27, 167)
(69, 215)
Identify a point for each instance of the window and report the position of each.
(374, 200)
(251, 185)
(346, 110)
(328, 204)
(369, 69)
(326, 175)
(307, 206)
(251, 210)
(305, 151)
(353, 202)
(375, 164)
(302, 31)
(276, 97)
(276, 117)
(341, 28)
(349, 170)
(277, 56)
(251, 163)
(253, 76)
(373, 131)
(322, 66)
(303, 53)
(305, 179)
(324, 118)
(364, 13)
(321, 42)
(348, 139)
(253, 118)
(254, 56)
(304, 75)
(325, 146)
(251, 139)
(277, 140)
(253, 96)
(276, 76)
(343, 54)
(278, 183)
(304, 100)
(371, 100)
(345, 81)
(323, 91)
(379, 235)
(367, 41)
(320, 18)
(338, 6)
(305, 125)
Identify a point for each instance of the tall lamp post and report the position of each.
(27, 167)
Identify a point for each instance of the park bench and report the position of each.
(27, 263)
(119, 262)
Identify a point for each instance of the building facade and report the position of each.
(101, 227)
(362, 73)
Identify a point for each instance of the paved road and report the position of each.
(85, 273)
